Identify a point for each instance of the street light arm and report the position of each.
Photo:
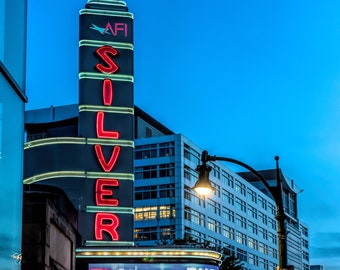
(204, 182)
(206, 158)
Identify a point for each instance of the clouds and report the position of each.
(326, 249)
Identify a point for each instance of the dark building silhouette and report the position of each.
(49, 229)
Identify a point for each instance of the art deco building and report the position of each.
(239, 218)
(12, 99)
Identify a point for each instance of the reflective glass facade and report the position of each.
(12, 99)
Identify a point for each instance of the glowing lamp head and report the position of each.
(203, 185)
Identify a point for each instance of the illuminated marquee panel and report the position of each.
(74, 157)
(118, 25)
(116, 63)
(122, 92)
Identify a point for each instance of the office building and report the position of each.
(12, 100)
(238, 219)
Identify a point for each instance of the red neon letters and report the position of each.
(105, 52)
(102, 192)
(106, 222)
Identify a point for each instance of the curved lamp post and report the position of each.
(203, 187)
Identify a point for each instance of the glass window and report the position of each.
(146, 213)
(227, 197)
(241, 221)
(241, 254)
(228, 232)
(240, 187)
(241, 238)
(240, 204)
(228, 214)
(166, 149)
(166, 170)
(252, 195)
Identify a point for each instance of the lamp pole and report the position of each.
(203, 186)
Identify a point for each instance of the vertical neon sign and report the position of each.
(106, 120)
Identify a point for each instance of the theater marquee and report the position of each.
(106, 118)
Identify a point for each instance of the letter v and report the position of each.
(107, 166)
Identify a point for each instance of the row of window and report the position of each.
(155, 192)
(161, 233)
(155, 171)
(155, 150)
(239, 204)
(200, 219)
(154, 212)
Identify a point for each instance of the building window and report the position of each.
(214, 207)
(154, 150)
(263, 202)
(190, 174)
(214, 243)
(194, 216)
(252, 227)
(146, 172)
(145, 234)
(272, 238)
(241, 221)
(263, 248)
(216, 171)
(146, 193)
(240, 204)
(167, 232)
(227, 197)
(262, 217)
(240, 187)
(252, 211)
(191, 154)
(166, 170)
(146, 213)
(252, 195)
(214, 225)
(272, 252)
(272, 223)
(228, 232)
(217, 189)
(263, 233)
(146, 151)
(167, 211)
(263, 263)
(228, 214)
(196, 235)
(253, 243)
(253, 259)
(227, 179)
(241, 238)
(155, 171)
(272, 208)
(241, 254)
(166, 191)
(166, 149)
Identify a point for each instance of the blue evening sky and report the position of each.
(243, 79)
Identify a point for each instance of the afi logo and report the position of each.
(113, 30)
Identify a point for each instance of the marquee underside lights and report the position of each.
(154, 253)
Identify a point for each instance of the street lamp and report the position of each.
(203, 187)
